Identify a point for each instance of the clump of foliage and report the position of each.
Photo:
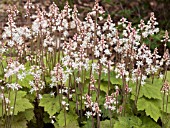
(66, 72)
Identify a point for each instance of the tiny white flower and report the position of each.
(88, 114)
(50, 49)
(11, 43)
(107, 52)
(96, 53)
(63, 102)
(161, 76)
(66, 108)
(78, 79)
(103, 60)
(52, 121)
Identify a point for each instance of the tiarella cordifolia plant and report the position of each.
(70, 72)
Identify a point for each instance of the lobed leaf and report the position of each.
(149, 123)
(71, 119)
(151, 91)
(151, 107)
(128, 122)
(51, 104)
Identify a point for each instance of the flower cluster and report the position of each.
(37, 84)
(14, 67)
(13, 86)
(92, 106)
(56, 75)
(150, 28)
(110, 102)
(165, 88)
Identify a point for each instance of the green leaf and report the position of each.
(166, 121)
(51, 104)
(133, 92)
(72, 106)
(149, 123)
(71, 119)
(29, 114)
(46, 118)
(106, 123)
(22, 103)
(71, 125)
(88, 123)
(105, 112)
(128, 122)
(151, 91)
(48, 79)
(135, 121)
(19, 122)
(104, 86)
(151, 107)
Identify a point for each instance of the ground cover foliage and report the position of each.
(59, 70)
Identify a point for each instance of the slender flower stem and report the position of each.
(167, 104)
(110, 114)
(90, 77)
(108, 78)
(75, 87)
(98, 94)
(163, 99)
(92, 122)
(65, 117)
(123, 93)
